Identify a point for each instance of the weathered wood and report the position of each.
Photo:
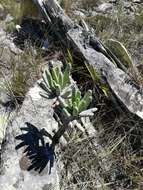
(128, 93)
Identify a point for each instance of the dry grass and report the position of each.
(23, 72)
(66, 5)
(11, 7)
(111, 160)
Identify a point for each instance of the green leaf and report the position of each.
(75, 111)
(73, 95)
(87, 98)
(77, 101)
(66, 76)
(69, 102)
(44, 77)
(70, 59)
(105, 90)
(93, 73)
(44, 87)
(65, 112)
(62, 102)
(57, 70)
(82, 106)
(66, 94)
(57, 88)
(61, 79)
(87, 95)
(78, 96)
(49, 78)
(54, 75)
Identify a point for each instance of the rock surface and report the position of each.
(13, 175)
(8, 53)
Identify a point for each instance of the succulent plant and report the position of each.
(55, 82)
(76, 104)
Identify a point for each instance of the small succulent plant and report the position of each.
(76, 104)
(55, 82)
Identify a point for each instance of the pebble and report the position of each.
(104, 7)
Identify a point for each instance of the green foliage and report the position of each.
(93, 73)
(69, 58)
(55, 82)
(96, 78)
(76, 104)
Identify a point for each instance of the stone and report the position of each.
(104, 7)
(9, 54)
(79, 13)
(129, 93)
(13, 174)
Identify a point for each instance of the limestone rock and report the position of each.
(13, 174)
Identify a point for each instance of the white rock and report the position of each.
(104, 7)
(137, 1)
(13, 174)
(79, 13)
